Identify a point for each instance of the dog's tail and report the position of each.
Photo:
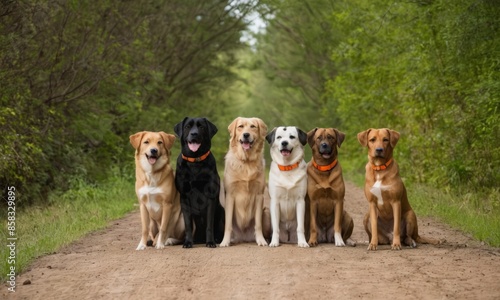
(426, 240)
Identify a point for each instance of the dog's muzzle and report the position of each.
(153, 156)
(325, 150)
(379, 152)
(246, 142)
(284, 149)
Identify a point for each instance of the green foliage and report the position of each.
(78, 78)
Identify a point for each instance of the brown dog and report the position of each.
(325, 190)
(159, 201)
(390, 217)
(242, 193)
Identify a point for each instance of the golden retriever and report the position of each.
(242, 193)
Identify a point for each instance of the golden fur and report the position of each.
(243, 188)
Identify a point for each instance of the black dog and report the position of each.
(198, 182)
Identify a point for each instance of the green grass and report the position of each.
(475, 213)
(83, 209)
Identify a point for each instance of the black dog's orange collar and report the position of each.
(196, 159)
(288, 168)
(382, 167)
(325, 168)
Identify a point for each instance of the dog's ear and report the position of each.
(340, 136)
(179, 127)
(302, 136)
(232, 127)
(136, 138)
(394, 135)
(270, 136)
(262, 127)
(212, 129)
(168, 139)
(310, 136)
(363, 137)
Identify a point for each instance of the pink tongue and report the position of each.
(194, 146)
(326, 155)
(245, 145)
(151, 160)
(285, 152)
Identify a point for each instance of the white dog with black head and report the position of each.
(287, 185)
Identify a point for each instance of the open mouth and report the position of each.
(326, 155)
(194, 146)
(285, 152)
(152, 159)
(246, 145)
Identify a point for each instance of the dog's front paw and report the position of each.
(187, 244)
(303, 244)
(339, 241)
(351, 242)
(160, 246)
(225, 243)
(313, 242)
(211, 245)
(372, 247)
(141, 246)
(274, 243)
(396, 246)
(261, 242)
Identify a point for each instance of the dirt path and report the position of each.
(105, 265)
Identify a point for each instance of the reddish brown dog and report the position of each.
(390, 217)
(329, 222)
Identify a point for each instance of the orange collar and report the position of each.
(382, 167)
(325, 168)
(288, 168)
(196, 159)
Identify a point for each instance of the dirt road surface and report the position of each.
(105, 265)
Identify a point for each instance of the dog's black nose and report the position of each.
(246, 135)
(379, 150)
(324, 145)
(284, 143)
(154, 151)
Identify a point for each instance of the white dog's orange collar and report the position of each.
(382, 167)
(325, 168)
(288, 168)
(196, 159)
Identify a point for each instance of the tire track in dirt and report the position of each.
(105, 265)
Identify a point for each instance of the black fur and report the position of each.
(198, 184)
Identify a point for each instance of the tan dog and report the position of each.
(159, 200)
(242, 193)
(326, 190)
(390, 217)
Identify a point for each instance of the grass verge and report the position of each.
(83, 209)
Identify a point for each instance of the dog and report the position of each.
(287, 185)
(390, 218)
(244, 185)
(326, 190)
(159, 201)
(198, 183)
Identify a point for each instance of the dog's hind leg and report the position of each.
(188, 224)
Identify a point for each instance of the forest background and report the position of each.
(77, 78)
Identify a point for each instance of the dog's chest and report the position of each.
(377, 190)
(150, 192)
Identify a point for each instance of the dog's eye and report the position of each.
(241, 126)
(160, 142)
(279, 137)
(372, 140)
(386, 139)
(146, 142)
(253, 126)
(292, 137)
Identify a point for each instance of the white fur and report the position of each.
(339, 241)
(287, 189)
